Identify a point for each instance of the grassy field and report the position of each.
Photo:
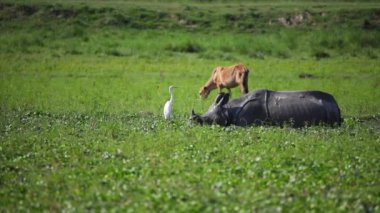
(82, 89)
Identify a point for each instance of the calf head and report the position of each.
(204, 91)
(216, 113)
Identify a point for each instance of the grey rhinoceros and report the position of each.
(296, 108)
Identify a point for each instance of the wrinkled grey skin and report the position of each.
(296, 108)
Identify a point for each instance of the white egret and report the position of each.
(168, 104)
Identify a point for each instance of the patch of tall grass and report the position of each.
(118, 32)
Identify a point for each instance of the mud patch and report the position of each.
(372, 122)
(294, 20)
(321, 55)
(373, 22)
(371, 118)
(307, 75)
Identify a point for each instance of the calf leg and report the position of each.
(244, 83)
(244, 88)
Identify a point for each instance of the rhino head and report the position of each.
(216, 114)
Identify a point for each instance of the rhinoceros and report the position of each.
(294, 108)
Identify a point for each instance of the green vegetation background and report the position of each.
(83, 85)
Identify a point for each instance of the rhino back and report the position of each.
(244, 99)
(302, 107)
(248, 109)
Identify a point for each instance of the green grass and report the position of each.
(78, 162)
(106, 83)
(82, 89)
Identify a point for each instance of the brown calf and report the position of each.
(227, 77)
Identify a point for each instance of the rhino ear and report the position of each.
(224, 99)
(192, 112)
(218, 98)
